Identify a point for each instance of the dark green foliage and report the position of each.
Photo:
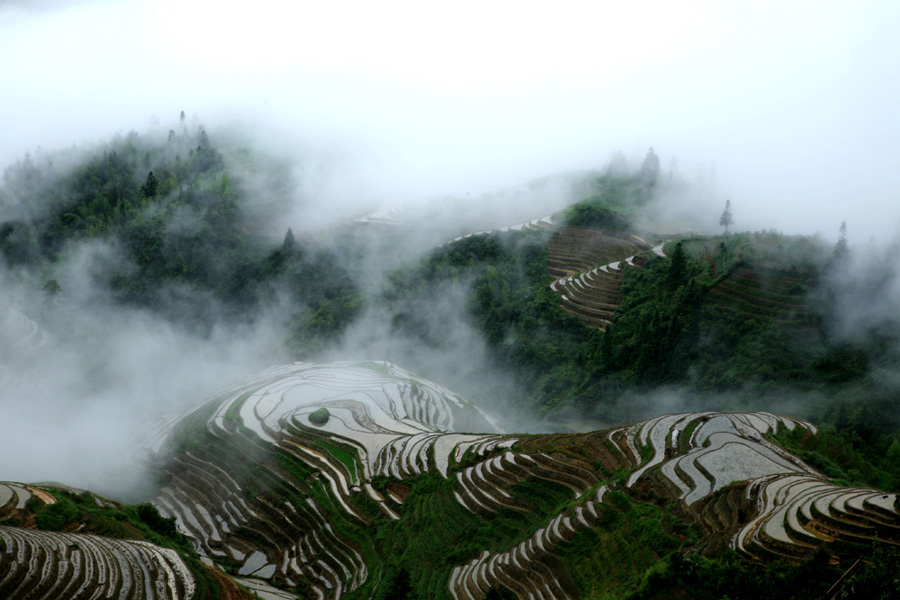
(510, 302)
(395, 585)
(877, 578)
(319, 416)
(666, 331)
(730, 576)
(842, 362)
(84, 512)
(586, 214)
(500, 593)
(844, 458)
(148, 513)
(617, 202)
(741, 314)
(186, 243)
(676, 274)
(629, 540)
(415, 556)
(150, 186)
(651, 336)
(56, 516)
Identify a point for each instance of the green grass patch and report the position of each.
(233, 413)
(345, 457)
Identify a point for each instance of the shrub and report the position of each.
(56, 516)
(319, 417)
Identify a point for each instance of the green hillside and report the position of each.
(184, 221)
(736, 322)
(747, 437)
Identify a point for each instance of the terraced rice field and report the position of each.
(578, 249)
(590, 265)
(307, 516)
(284, 500)
(542, 224)
(382, 421)
(766, 293)
(50, 565)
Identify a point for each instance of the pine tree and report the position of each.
(841, 253)
(650, 168)
(677, 268)
(150, 186)
(289, 244)
(726, 219)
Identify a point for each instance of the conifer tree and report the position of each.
(289, 244)
(726, 219)
(650, 168)
(150, 186)
(841, 253)
(677, 268)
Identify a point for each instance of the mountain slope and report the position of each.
(384, 494)
(58, 542)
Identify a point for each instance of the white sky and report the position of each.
(795, 102)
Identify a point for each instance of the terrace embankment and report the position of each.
(589, 265)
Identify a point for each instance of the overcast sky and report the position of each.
(794, 102)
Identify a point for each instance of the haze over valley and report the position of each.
(355, 302)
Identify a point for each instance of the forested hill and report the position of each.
(595, 317)
(175, 224)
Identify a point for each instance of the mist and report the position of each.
(458, 120)
(83, 375)
(794, 106)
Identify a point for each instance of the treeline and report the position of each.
(181, 235)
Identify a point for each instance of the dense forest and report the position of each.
(181, 228)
